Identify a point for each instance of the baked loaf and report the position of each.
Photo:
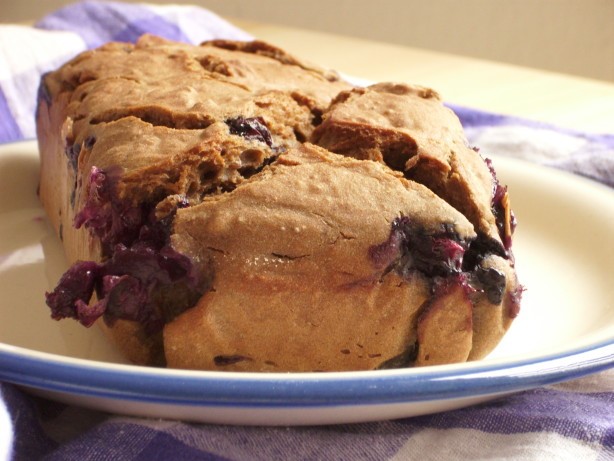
(229, 207)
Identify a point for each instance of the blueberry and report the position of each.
(72, 152)
(410, 248)
(479, 248)
(443, 257)
(223, 360)
(386, 253)
(252, 128)
(125, 297)
(89, 142)
(403, 360)
(493, 283)
(77, 284)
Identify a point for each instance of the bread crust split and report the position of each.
(230, 207)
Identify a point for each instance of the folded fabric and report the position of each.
(570, 421)
(590, 155)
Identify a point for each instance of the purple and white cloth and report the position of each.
(569, 421)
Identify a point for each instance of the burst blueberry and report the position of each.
(139, 264)
(493, 283)
(252, 128)
(411, 248)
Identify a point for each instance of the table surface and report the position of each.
(563, 100)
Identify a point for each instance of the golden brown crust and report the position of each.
(294, 283)
(445, 328)
(490, 322)
(307, 254)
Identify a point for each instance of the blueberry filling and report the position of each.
(441, 286)
(112, 220)
(127, 287)
(142, 278)
(403, 360)
(89, 142)
(72, 152)
(224, 360)
(252, 128)
(481, 246)
(77, 283)
(410, 248)
(448, 262)
(493, 283)
(442, 256)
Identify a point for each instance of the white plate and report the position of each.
(565, 257)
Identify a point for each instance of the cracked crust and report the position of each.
(285, 224)
(409, 129)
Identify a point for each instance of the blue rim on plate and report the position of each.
(229, 389)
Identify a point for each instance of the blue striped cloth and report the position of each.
(569, 421)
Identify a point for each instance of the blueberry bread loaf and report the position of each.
(230, 207)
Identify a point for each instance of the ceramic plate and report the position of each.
(565, 258)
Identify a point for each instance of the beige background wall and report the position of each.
(569, 36)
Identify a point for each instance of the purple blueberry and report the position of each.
(224, 360)
(252, 128)
(77, 284)
(410, 248)
(493, 283)
(139, 264)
